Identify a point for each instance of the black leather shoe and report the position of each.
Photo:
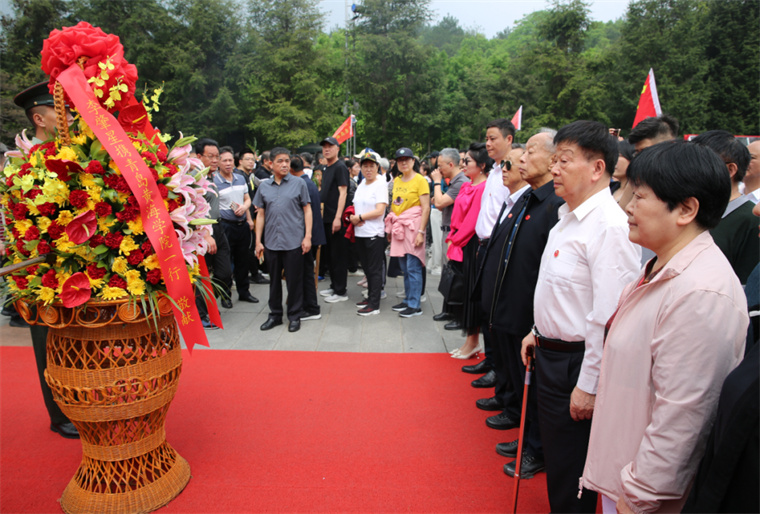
(67, 430)
(477, 369)
(259, 279)
(492, 403)
(487, 380)
(502, 422)
(528, 468)
(294, 326)
(508, 449)
(270, 323)
(18, 322)
(443, 316)
(248, 297)
(226, 303)
(453, 325)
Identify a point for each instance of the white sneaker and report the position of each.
(356, 273)
(383, 296)
(362, 282)
(367, 311)
(401, 294)
(435, 272)
(423, 298)
(307, 316)
(336, 298)
(326, 292)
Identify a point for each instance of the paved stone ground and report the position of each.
(340, 328)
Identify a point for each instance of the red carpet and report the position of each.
(291, 432)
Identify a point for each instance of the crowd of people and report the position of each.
(624, 271)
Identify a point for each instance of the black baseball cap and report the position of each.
(331, 140)
(404, 152)
(33, 96)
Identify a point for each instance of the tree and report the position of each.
(281, 75)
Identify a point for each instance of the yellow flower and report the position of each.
(79, 140)
(96, 193)
(66, 153)
(123, 197)
(33, 160)
(46, 294)
(136, 226)
(95, 284)
(87, 181)
(120, 265)
(85, 129)
(104, 225)
(33, 209)
(22, 226)
(135, 284)
(43, 222)
(112, 293)
(127, 245)
(64, 245)
(64, 218)
(114, 167)
(150, 262)
(55, 191)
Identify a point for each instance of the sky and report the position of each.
(486, 16)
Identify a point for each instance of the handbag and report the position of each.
(451, 285)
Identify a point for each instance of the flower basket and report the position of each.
(114, 369)
(114, 223)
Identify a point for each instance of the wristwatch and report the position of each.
(436, 184)
(360, 217)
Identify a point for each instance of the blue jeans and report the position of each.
(412, 268)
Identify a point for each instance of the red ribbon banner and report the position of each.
(156, 221)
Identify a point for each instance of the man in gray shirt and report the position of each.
(448, 168)
(284, 214)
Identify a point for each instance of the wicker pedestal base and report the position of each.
(114, 375)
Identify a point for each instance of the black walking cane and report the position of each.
(518, 462)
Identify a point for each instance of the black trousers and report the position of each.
(291, 262)
(510, 369)
(310, 300)
(372, 256)
(480, 256)
(253, 261)
(338, 267)
(565, 441)
(219, 266)
(512, 398)
(239, 238)
(39, 343)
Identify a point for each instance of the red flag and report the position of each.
(517, 119)
(345, 131)
(649, 102)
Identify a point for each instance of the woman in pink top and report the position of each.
(679, 330)
(463, 245)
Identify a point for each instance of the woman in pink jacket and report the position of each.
(678, 331)
(463, 245)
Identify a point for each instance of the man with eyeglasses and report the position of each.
(218, 253)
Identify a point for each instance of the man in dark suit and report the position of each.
(508, 278)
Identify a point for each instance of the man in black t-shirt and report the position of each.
(334, 189)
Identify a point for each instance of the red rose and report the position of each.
(154, 276)
(42, 248)
(117, 281)
(33, 269)
(110, 180)
(173, 204)
(94, 168)
(127, 214)
(114, 240)
(47, 209)
(79, 198)
(20, 248)
(20, 210)
(63, 47)
(171, 169)
(32, 234)
(147, 248)
(21, 282)
(33, 193)
(135, 257)
(121, 185)
(55, 230)
(50, 280)
(95, 272)
(154, 173)
(163, 190)
(103, 209)
(96, 241)
(162, 155)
